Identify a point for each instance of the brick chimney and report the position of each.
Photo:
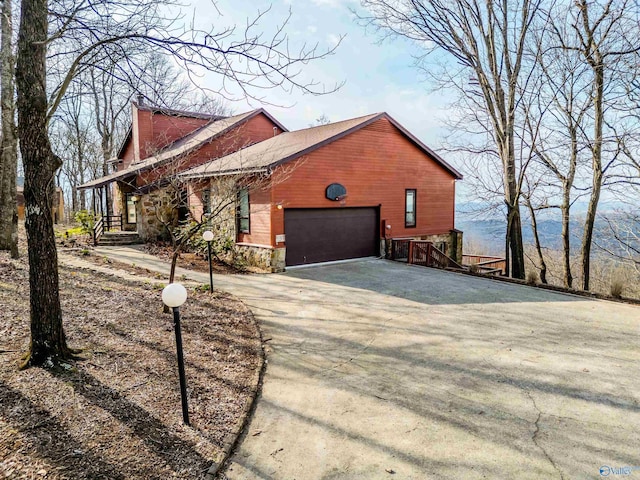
(141, 129)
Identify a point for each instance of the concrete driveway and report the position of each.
(379, 370)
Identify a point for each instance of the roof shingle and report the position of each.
(261, 156)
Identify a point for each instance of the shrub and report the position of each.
(86, 220)
(532, 277)
(223, 241)
(616, 288)
(474, 268)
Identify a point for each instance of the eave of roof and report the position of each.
(209, 169)
(166, 155)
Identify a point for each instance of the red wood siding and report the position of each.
(127, 156)
(167, 129)
(375, 164)
(254, 130)
(260, 217)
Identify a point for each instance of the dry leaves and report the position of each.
(116, 415)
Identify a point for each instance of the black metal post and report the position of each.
(210, 268)
(183, 379)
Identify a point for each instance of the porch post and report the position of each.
(106, 201)
(101, 202)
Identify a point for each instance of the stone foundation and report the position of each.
(264, 257)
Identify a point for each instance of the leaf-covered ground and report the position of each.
(116, 414)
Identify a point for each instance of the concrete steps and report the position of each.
(119, 238)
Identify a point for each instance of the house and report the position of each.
(331, 192)
(57, 207)
(336, 191)
(161, 143)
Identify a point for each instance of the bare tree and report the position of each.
(83, 35)
(75, 142)
(621, 239)
(606, 34)
(48, 343)
(488, 40)
(555, 125)
(8, 144)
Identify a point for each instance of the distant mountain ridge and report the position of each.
(489, 232)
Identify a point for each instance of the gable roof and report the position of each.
(182, 146)
(262, 156)
(165, 111)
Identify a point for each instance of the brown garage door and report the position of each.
(324, 234)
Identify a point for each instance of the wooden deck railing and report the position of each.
(426, 254)
(420, 252)
(400, 250)
(486, 263)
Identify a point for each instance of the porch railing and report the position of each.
(98, 230)
(104, 224)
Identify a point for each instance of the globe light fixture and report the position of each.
(207, 236)
(174, 295)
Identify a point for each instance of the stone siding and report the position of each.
(154, 209)
(266, 258)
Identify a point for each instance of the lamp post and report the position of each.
(208, 237)
(174, 295)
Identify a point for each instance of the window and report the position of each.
(131, 208)
(243, 210)
(410, 208)
(206, 201)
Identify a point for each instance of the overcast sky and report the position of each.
(377, 77)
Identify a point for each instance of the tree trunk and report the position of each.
(507, 257)
(589, 222)
(511, 198)
(8, 145)
(74, 199)
(596, 184)
(48, 344)
(566, 243)
(515, 244)
(536, 238)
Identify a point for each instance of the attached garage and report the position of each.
(324, 193)
(324, 234)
